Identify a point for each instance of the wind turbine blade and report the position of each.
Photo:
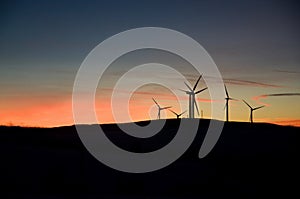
(226, 91)
(197, 82)
(258, 108)
(183, 90)
(163, 108)
(188, 86)
(201, 90)
(196, 107)
(182, 113)
(173, 111)
(155, 102)
(247, 104)
(233, 99)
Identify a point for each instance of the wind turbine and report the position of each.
(177, 115)
(251, 110)
(192, 101)
(160, 108)
(227, 98)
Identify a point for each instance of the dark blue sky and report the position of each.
(65, 31)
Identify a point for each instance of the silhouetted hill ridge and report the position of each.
(249, 161)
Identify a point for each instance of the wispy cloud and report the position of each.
(241, 82)
(287, 71)
(260, 97)
(162, 95)
(250, 83)
(281, 94)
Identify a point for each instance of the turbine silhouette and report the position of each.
(160, 108)
(227, 98)
(177, 115)
(251, 110)
(192, 101)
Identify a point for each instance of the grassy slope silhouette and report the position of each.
(259, 160)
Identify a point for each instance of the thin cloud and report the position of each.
(260, 97)
(250, 83)
(287, 71)
(282, 94)
(162, 96)
(245, 82)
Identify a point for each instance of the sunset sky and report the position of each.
(255, 45)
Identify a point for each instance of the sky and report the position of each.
(255, 45)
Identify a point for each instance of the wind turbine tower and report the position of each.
(227, 103)
(160, 108)
(192, 99)
(251, 110)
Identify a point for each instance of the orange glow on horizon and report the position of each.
(52, 114)
(52, 111)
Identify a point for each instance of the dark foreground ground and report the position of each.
(249, 161)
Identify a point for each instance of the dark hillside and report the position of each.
(249, 161)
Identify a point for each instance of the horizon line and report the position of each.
(278, 123)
